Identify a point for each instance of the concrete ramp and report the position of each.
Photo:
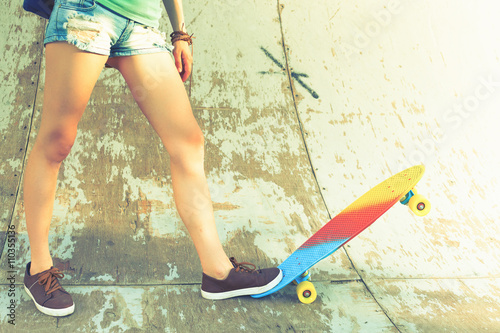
(305, 106)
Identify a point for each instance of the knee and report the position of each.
(187, 149)
(196, 139)
(56, 144)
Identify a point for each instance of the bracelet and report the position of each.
(181, 35)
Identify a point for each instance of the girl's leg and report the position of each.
(160, 93)
(69, 80)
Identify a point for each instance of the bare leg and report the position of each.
(159, 92)
(69, 80)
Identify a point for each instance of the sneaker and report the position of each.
(46, 291)
(242, 280)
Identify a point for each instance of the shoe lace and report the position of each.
(246, 267)
(49, 279)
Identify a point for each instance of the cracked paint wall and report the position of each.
(304, 108)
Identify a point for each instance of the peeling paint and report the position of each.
(376, 109)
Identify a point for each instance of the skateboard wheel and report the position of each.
(419, 205)
(306, 292)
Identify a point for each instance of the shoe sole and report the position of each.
(49, 311)
(243, 292)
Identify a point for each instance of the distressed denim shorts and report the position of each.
(94, 28)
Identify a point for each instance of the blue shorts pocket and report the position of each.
(78, 5)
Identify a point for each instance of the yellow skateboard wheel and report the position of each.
(419, 205)
(306, 292)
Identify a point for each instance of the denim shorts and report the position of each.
(94, 28)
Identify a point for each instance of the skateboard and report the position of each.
(347, 225)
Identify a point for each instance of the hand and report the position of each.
(183, 59)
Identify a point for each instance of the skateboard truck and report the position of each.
(306, 276)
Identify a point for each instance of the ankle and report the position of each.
(218, 275)
(219, 272)
(36, 268)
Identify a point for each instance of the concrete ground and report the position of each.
(304, 106)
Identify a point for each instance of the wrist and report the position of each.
(177, 36)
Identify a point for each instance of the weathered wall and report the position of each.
(304, 108)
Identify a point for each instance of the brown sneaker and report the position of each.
(46, 291)
(242, 280)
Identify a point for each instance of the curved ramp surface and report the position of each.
(304, 106)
